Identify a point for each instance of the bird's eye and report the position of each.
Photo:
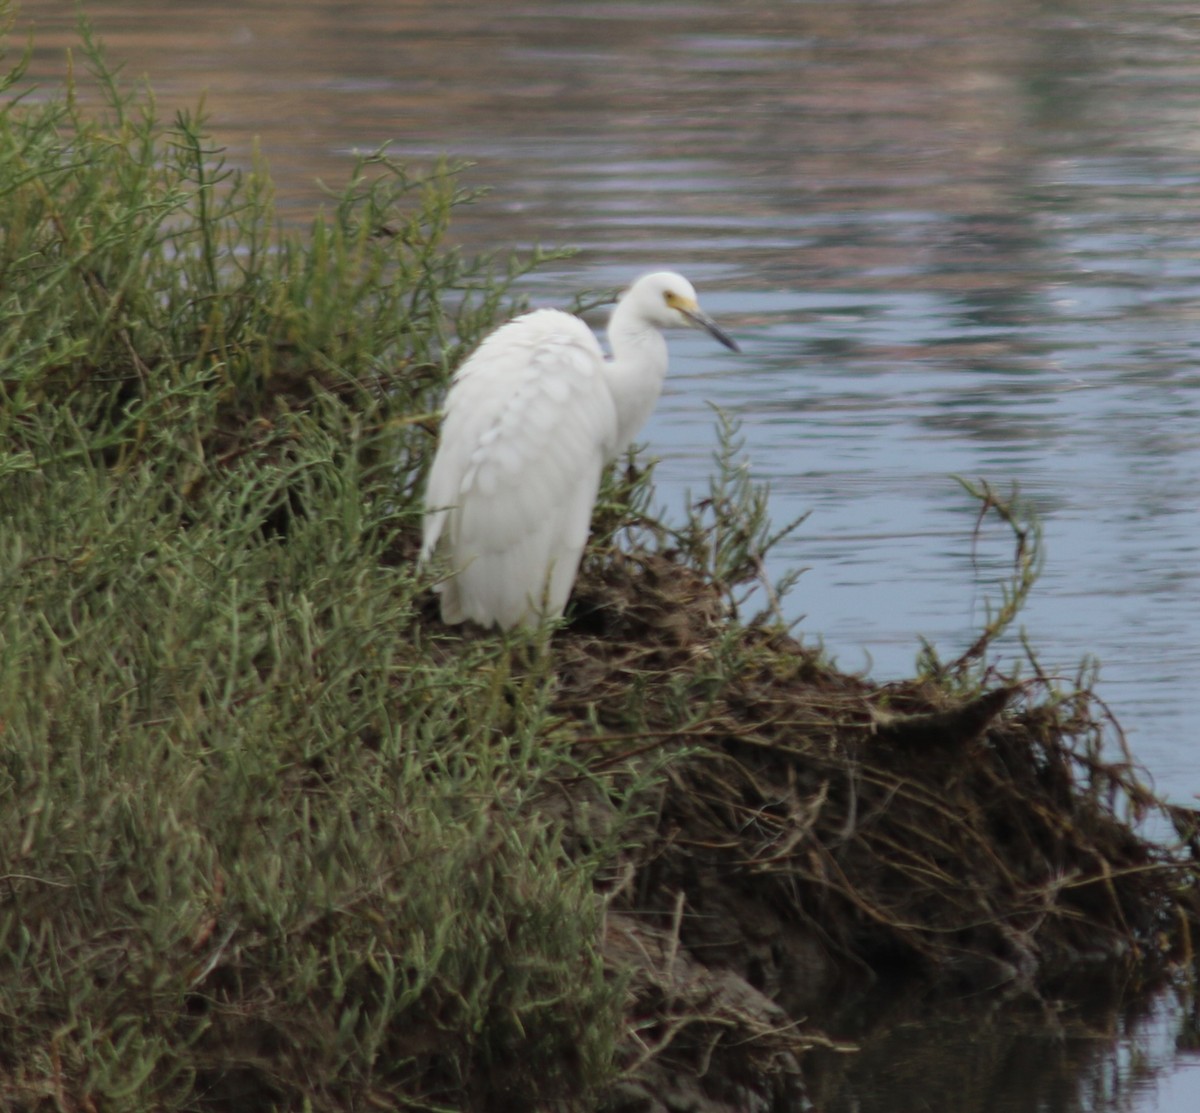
(670, 297)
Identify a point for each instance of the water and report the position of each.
(1098, 1059)
(952, 236)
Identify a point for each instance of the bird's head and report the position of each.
(667, 300)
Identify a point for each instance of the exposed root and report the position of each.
(812, 829)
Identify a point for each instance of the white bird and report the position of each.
(531, 419)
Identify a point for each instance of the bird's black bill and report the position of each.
(712, 328)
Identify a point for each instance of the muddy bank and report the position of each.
(816, 837)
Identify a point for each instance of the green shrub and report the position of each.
(263, 844)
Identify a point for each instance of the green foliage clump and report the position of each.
(263, 844)
(146, 295)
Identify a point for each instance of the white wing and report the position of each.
(529, 423)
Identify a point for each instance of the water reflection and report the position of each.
(1045, 1056)
(953, 236)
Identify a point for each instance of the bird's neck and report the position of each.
(635, 372)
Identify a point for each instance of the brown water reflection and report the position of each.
(953, 236)
(1050, 1056)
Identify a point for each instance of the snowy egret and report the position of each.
(531, 419)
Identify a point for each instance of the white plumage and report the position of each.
(531, 419)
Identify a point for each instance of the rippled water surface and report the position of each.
(953, 237)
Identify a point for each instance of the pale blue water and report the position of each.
(952, 236)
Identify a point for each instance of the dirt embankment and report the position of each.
(817, 833)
